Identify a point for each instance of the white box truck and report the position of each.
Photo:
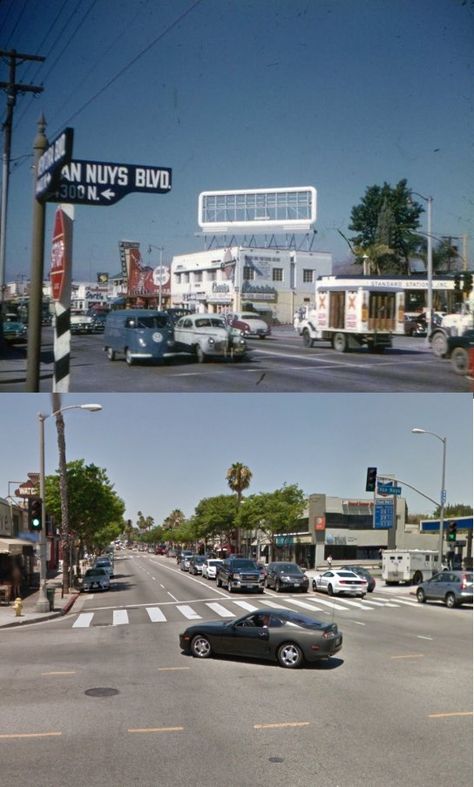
(411, 566)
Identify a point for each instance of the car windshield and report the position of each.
(249, 316)
(95, 572)
(156, 321)
(289, 567)
(346, 574)
(242, 563)
(210, 322)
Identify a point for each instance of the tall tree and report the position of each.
(389, 216)
(238, 477)
(274, 512)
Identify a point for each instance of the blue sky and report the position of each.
(169, 451)
(336, 94)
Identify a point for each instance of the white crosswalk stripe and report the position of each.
(188, 612)
(120, 617)
(83, 620)
(155, 614)
(221, 611)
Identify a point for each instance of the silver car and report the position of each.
(452, 587)
(96, 579)
(208, 335)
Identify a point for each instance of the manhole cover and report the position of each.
(101, 692)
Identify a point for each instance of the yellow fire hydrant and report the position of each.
(18, 606)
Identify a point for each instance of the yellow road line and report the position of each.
(158, 729)
(281, 725)
(446, 715)
(409, 656)
(30, 735)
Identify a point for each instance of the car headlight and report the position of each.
(211, 340)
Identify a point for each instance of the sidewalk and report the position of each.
(62, 605)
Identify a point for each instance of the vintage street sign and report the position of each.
(161, 275)
(105, 183)
(53, 159)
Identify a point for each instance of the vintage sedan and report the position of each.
(288, 637)
(208, 336)
(341, 581)
(250, 324)
(14, 330)
(286, 576)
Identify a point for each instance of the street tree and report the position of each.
(387, 217)
(215, 518)
(275, 512)
(238, 478)
(95, 511)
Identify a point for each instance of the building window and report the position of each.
(249, 273)
(197, 277)
(186, 278)
(277, 274)
(211, 275)
(308, 276)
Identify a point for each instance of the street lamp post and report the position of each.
(429, 265)
(42, 604)
(443, 440)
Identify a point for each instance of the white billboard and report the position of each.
(258, 210)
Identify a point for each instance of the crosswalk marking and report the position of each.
(360, 604)
(120, 617)
(155, 614)
(188, 612)
(408, 603)
(306, 605)
(222, 611)
(83, 620)
(246, 605)
(331, 604)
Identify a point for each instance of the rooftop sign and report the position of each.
(258, 210)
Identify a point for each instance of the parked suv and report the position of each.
(286, 576)
(452, 587)
(239, 573)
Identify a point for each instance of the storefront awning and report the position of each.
(13, 546)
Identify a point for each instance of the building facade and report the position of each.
(272, 281)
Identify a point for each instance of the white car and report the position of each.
(250, 324)
(208, 335)
(336, 582)
(209, 568)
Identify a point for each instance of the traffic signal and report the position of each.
(452, 530)
(35, 511)
(371, 479)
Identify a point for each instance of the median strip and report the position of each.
(281, 725)
(30, 735)
(447, 715)
(409, 656)
(158, 729)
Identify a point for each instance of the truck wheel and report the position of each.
(460, 360)
(307, 340)
(417, 578)
(439, 344)
(110, 354)
(339, 342)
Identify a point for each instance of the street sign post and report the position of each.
(48, 171)
(105, 183)
(161, 275)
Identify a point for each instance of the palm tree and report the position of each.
(238, 478)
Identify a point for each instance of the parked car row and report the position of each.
(99, 575)
(146, 334)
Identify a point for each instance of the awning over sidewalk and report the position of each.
(13, 546)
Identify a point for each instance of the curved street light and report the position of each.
(42, 604)
(443, 440)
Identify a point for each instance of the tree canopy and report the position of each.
(273, 512)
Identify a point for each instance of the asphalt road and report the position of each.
(278, 364)
(115, 702)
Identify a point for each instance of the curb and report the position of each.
(69, 604)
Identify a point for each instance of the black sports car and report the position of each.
(279, 635)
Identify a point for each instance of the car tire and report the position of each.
(420, 596)
(450, 600)
(439, 344)
(330, 590)
(110, 354)
(128, 357)
(339, 342)
(290, 655)
(307, 340)
(229, 587)
(277, 586)
(201, 647)
(315, 589)
(200, 355)
(460, 360)
(218, 582)
(362, 595)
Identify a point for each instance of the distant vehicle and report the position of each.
(239, 574)
(251, 324)
(96, 578)
(415, 325)
(286, 576)
(81, 322)
(340, 582)
(209, 568)
(196, 563)
(104, 562)
(139, 335)
(287, 637)
(182, 553)
(208, 336)
(186, 562)
(362, 571)
(408, 565)
(14, 330)
(453, 588)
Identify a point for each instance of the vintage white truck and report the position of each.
(451, 325)
(410, 566)
(353, 313)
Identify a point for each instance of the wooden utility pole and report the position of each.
(12, 88)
